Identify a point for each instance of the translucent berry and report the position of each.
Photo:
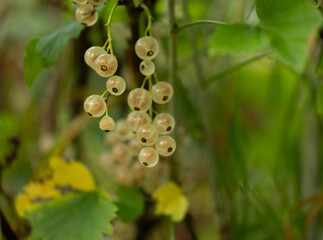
(162, 92)
(147, 135)
(136, 119)
(116, 85)
(92, 54)
(147, 48)
(139, 99)
(147, 67)
(123, 131)
(79, 2)
(165, 145)
(164, 123)
(86, 14)
(107, 124)
(94, 105)
(121, 154)
(148, 157)
(134, 146)
(106, 65)
(96, 2)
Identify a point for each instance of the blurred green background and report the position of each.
(249, 138)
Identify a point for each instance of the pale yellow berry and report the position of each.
(148, 157)
(164, 123)
(94, 105)
(86, 14)
(165, 145)
(147, 135)
(107, 124)
(79, 2)
(147, 48)
(106, 65)
(136, 119)
(123, 131)
(139, 99)
(162, 92)
(92, 54)
(96, 2)
(116, 85)
(147, 67)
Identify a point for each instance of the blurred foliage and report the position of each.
(248, 108)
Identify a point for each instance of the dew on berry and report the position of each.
(116, 85)
(139, 99)
(147, 48)
(164, 123)
(106, 65)
(147, 67)
(162, 92)
(136, 119)
(165, 145)
(147, 135)
(148, 157)
(94, 105)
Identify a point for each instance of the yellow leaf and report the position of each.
(23, 204)
(44, 190)
(171, 201)
(73, 174)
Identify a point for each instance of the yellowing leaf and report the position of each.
(42, 190)
(171, 201)
(73, 174)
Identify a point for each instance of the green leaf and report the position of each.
(80, 216)
(289, 24)
(136, 3)
(51, 45)
(319, 100)
(231, 38)
(32, 62)
(44, 52)
(130, 203)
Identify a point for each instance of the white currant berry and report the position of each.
(116, 85)
(147, 67)
(106, 65)
(165, 145)
(86, 14)
(147, 48)
(96, 2)
(79, 2)
(136, 119)
(121, 154)
(94, 105)
(92, 54)
(147, 135)
(148, 157)
(162, 92)
(164, 123)
(107, 124)
(139, 99)
(135, 146)
(112, 138)
(123, 131)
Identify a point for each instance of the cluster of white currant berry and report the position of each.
(140, 101)
(86, 13)
(122, 161)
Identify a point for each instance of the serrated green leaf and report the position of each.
(319, 100)
(52, 45)
(130, 203)
(80, 216)
(136, 3)
(32, 62)
(289, 24)
(231, 38)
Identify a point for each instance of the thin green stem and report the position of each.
(151, 107)
(144, 81)
(102, 95)
(171, 229)
(197, 22)
(148, 31)
(108, 24)
(155, 77)
(234, 68)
